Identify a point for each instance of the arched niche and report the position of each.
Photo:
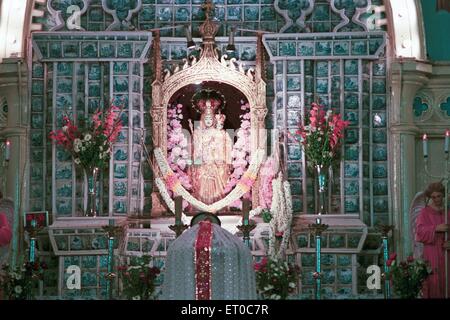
(209, 68)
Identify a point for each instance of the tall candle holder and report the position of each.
(246, 227)
(317, 228)
(112, 232)
(445, 179)
(178, 227)
(32, 229)
(385, 229)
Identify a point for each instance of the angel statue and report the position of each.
(429, 228)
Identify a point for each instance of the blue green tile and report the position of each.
(345, 276)
(89, 50)
(351, 170)
(287, 49)
(323, 48)
(124, 50)
(351, 205)
(350, 83)
(351, 187)
(251, 13)
(305, 49)
(380, 153)
(359, 47)
(183, 14)
(107, 50)
(337, 241)
(164, 14)
(351, 67)
(267, 13)
(351, 153)
(378, 86)
(147, 13)
(380, 205)
(352, 117)
(340, 48)
(380, 171)
(344, 260)
(322, 85)
(293, 83)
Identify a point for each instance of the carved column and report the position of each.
(16, 132)
(407, 78)
(159, 121)
(259, 112)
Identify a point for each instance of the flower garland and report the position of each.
(241, 152)
(177, 153)
(281, 210)
(242, 187)
(168, 200)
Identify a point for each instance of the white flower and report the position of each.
(18, 289)
(18, 276)
(75, 148)
(100, 148)
(77, 142)
(291, 285)
(77, 161)
(137, 297)
(83, 148)
(87, 137)
(100, 155)
(64, 129)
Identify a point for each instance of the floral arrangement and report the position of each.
(173, 184)
(280, 224)
(321, 137)
(275, 278)
(90, 142)
(241, 152)
(17, 283)
(177, 144)
(138, 280)
(408, 276)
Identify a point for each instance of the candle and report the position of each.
(425, 145)
(7, 150)
(318, 221)
(447, 140)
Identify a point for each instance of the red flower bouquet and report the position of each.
(275, 279)
(90, 142)
(321, 136)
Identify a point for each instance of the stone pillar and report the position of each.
(16, 132)
(407, 78)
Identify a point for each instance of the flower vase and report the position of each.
(322, 181)
(92, 176)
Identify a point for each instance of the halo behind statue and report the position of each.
(200, 97)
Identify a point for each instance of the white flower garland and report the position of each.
(281, 210)
(238, 191)
(168, 200)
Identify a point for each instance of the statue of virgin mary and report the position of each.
(211, 150)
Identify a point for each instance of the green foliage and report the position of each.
(275, 279)
(266, 215)
(408, 276)
(17, 283)
(138, 279)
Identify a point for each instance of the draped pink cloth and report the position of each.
(5, 230)
(433, 251)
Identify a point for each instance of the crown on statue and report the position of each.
(208, 101)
